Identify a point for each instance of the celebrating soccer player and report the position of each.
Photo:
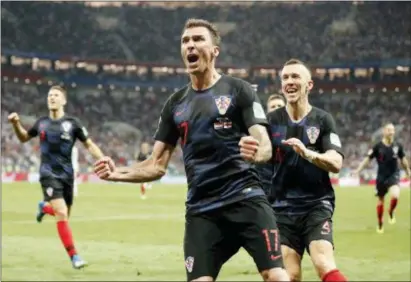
(387, 152)
(306, 147)
(58, 133)
(221, 124)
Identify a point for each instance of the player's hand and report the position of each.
(14, 118)
(297, 146)
(104, 167)
(248, 148)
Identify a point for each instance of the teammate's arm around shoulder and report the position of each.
(256, 147)
(149, 170)
(22, 134)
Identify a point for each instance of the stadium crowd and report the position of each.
(358, 117)
(267, 33)
(325, 33)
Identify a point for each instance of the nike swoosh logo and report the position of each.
(275, 257)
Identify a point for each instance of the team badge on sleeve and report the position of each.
(222, 103)
(258, 111)
(335, 140)
(189, 264)
(313, 133)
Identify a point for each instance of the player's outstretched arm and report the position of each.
(21, 133)
(152, 169)
(362, 165)
(406, 166)
(93, 149)
(257, 147)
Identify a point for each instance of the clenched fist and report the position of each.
(248, 148)
(14, 118)
(104, 167)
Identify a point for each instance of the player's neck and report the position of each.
(205, 80)
(387, 141)
(298, 111)
(56, 114)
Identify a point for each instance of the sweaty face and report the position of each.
(295, 82)
(274, 104)
(55, 99)
(389, 131)
(197, 49)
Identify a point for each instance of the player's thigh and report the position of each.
(256, 224)
(381, 189)
(292, 262)
(291, 232)
(68, 192)
(207, 245)
(319, 239)
(52, 188)
(394, 190)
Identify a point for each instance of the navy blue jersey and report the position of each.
(265, 172)
(387, 158)
(210, 124)
(57, 138)
(298, 184)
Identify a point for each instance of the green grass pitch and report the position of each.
(125, 238)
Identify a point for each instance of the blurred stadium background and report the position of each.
(120, 62)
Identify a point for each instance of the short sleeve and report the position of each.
(80, 132)
(167, 131)
(34, 130)
(251, 108)
(330, 138)
(372, 152)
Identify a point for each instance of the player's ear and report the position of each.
(216, 51)
(310, 85)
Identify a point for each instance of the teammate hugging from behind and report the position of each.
(387, 153)
(58, 133)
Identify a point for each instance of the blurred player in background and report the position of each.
(226, 208)
(76, 168)
(387, 152)
(306, 147)
(58, 133)
(143, 155)
(265, 170)
(275, 101)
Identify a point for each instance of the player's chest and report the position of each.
(218, 112)
(310, 134)
(386, 154)
(56, 132)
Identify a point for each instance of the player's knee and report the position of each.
(203, 279)
(275, 274)
(395, 191)
(294, 273)
(322, 256)
(60, 209)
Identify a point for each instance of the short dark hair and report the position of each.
(59, 88)
(275, 97)
(294, 61)
(215, 34)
